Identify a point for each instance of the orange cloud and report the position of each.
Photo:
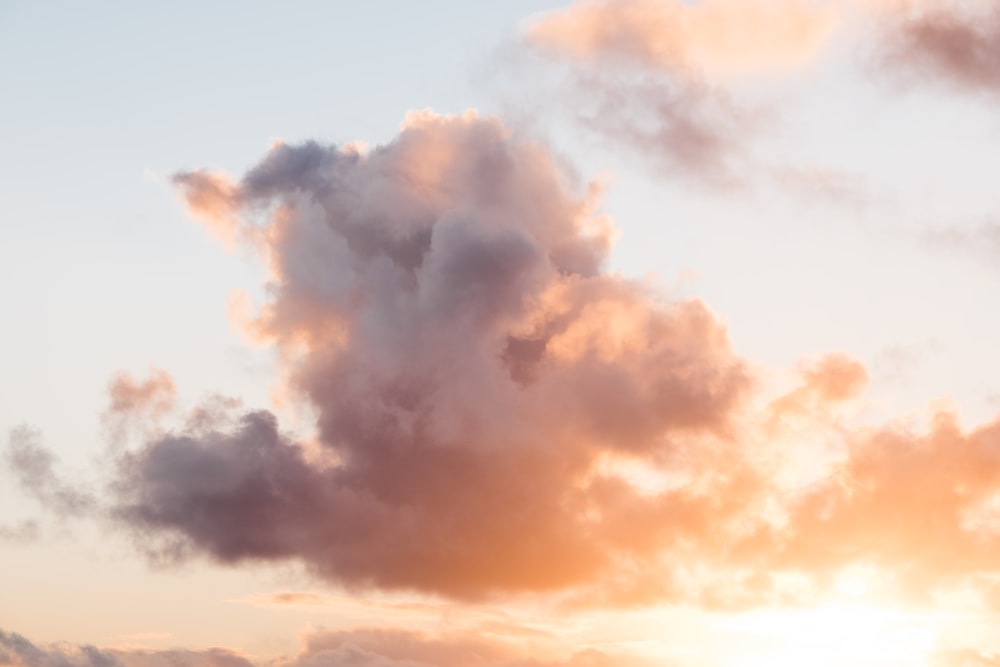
(921, 506)
(651, 75)
(493, 404)
(501, 416)
(718, 37)
(36, 471)
(655, 76)
(155, 395)
(351, 648)
(210, 199)
(833, 379)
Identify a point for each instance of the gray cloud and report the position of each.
(681, 125)
(24, 531)
(956, 46)
(440, 304)
(34, 467)
(19, 651)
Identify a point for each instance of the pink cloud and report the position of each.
(720, 37)
(948, 42)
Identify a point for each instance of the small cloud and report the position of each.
(824, 185)
(34, 468)
(20, 533)
(289, 599)
(950, 44)
(977, 240)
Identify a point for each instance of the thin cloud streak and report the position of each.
(373, 647)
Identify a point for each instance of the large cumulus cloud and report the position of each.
(497, 414)
(952, 43)
(491, 406)
(440, 304)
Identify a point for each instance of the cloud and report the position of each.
(209, 198)
(660, 77)
(137, 404)
(18, 651)
(718, 37)
(980, 240)
(296, 599)
(949, 43)
(923, 507)
(440, 304)
(397, 648)
(498, 415)
(347, 648)
(825, 383)
(24, 531)
(155, 395)
(637, 82)
(34, 468)
(826, 185)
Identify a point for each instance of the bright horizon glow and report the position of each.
(837, 635)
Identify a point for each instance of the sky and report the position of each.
(593, 333)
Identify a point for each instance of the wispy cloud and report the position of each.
(34, 467)
(441, 304)
(951, 44)
(718, 38)
(24, 531)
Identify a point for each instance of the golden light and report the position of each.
(834, 636)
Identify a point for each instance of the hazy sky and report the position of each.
(446, 334)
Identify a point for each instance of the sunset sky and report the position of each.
(606, 333)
